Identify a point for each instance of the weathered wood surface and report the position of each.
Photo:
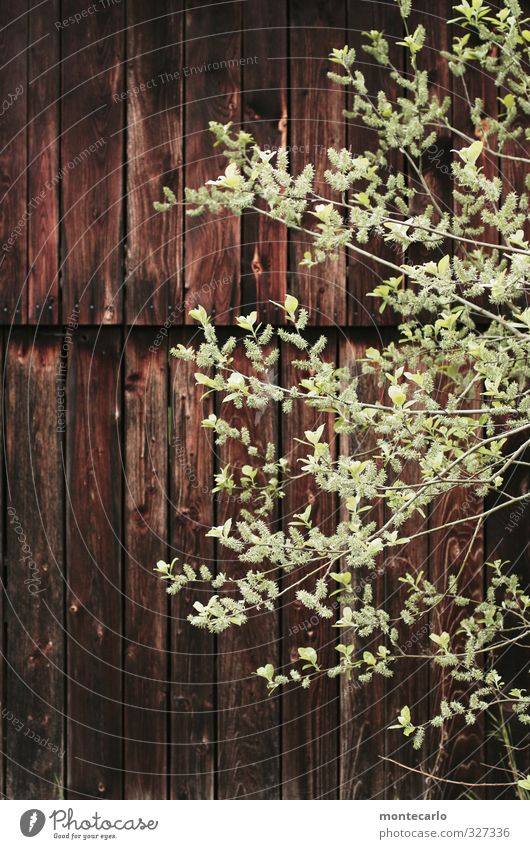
(153, 97)
(92, 165)
(35, 585)
(94, 605)
(193, 697)
(105, 462)
(145, 625)
(310, 743)
(248, 721)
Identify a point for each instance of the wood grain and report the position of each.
(193, 670)
(43, 140)
(145, 623)
(154, 159)
(35, 563)
(3, 647)
(316, 123)
(264, 103)
(212, 93)
(363, 709)
(310, 718)
(364, 274)
(248, 719)
(92, 184)
(458, 752)
(94, 573)
(507, 531)
(110, 669)
(478, 84)
(15, 207)
(414, 676)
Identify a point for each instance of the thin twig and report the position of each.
(447, 780)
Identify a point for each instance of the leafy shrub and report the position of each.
(455, 385)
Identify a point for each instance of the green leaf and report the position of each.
(290, 304)
(444, 264)
(266, 671)
(309, 654)
(247, 322)
(204, 380)
(313, 436)
(470, 154)
(398, 395)
(199, 314)
(441, 640)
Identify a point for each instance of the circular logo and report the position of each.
(32, 822)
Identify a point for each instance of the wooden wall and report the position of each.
(107, 692)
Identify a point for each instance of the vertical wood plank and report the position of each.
(436, 162)
(413, 678)
(264, 247)
(212, 93)
(16, 210)
(456, 751)
(507, 531)
(154, 158)
(411, 682)
(91, 162)
(43, 161)
(477, 83)
(364, 274)
(35, 592)
(3, 646)
(145, 632)
(316, 124)
(507, 539)
(363, 716)
(193, 697)
(248, 719)
(95, 600)
(309, 717)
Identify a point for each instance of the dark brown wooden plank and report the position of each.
(154, 153)
(15, 206)
(146, 625)
(477, 83)
(248, 719)
(317, 123)
(3, 647)
(363, 715)
(436, 163)
(455, 751)
(507, 531)
(507, 539)
(413, 678)
(35, 584)
(411, 682)
(364, 274)
(192, 691)
(264, 101)
(43, 161)
(212, 93)
(91, 162)
(310, 718)
(95, 599)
